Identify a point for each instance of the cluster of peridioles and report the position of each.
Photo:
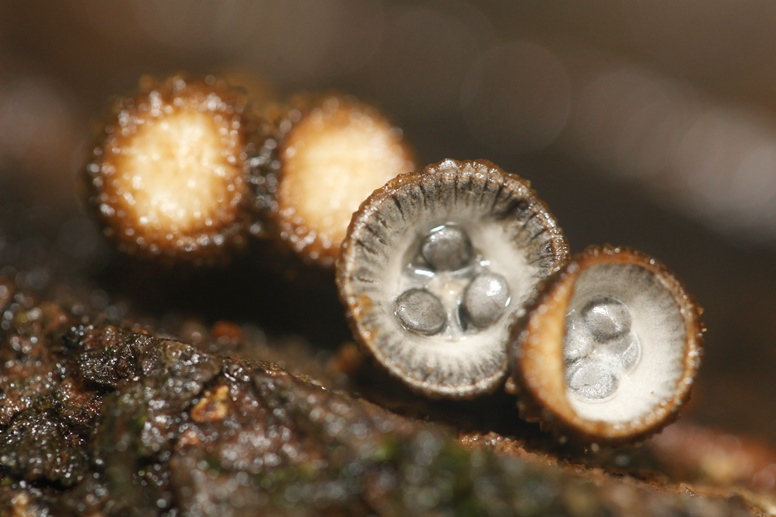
(455, 278)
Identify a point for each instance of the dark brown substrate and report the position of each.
(103, 419)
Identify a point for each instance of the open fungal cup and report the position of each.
(327, 155)
(608, 350)
(434, 264)
(169, 174)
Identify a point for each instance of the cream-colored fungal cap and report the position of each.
(433, 266)
(168, 176)
(331, 160)
(608, 351)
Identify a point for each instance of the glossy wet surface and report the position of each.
(600, 348)
(453, 289)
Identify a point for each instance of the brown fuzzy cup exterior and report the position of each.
(537, 351)
(327, 154)
(439, 350)
(168, 175)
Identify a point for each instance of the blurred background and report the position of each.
(647, 124)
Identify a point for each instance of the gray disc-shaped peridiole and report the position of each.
(433, 266)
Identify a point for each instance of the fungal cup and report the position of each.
(325, 155)
(168, 175)
(433, 266)
(608, 350)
